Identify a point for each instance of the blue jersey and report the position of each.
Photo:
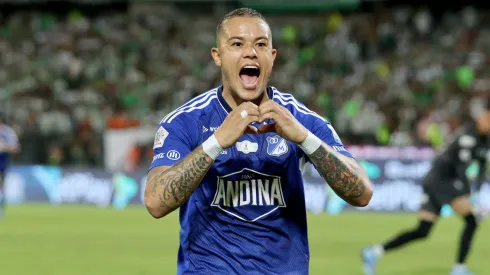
(248, 215)
(7, 137)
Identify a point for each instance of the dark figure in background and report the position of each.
(446, 183)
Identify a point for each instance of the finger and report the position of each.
(247, 105)
(267, 102)
(267, 128)
(251, 119)
(268, 115)
(251, 130)
(244, 113)
(267, 106)
(253, 111)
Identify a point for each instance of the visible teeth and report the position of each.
(250, 67)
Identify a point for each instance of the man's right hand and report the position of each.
(234, 126)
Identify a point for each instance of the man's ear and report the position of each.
(216, 56)
(274, 54)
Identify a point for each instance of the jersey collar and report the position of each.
(227, 107)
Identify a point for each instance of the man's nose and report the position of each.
(249, 52)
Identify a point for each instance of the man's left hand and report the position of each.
(285, 124)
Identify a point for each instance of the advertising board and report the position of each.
(395, 175)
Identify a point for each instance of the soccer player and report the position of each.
(446, 183)
(8, 145)
(231, 159)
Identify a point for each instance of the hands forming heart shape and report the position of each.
(238, 122)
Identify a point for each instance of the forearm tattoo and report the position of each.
(175, 185)
(338, 174)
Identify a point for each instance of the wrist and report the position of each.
(212, 147)
(310, 144)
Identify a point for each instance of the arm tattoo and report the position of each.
(174, 186)
(338, 174)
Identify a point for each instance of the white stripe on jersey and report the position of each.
(289, 97)
(193, 102)
(292, 101)
(194, 107)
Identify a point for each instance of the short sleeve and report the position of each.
(173, 141)
(325, 131)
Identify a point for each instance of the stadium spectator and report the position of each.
(9, 145)
(381, 77)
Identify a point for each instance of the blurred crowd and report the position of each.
(399, 76)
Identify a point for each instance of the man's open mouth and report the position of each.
(249, 75)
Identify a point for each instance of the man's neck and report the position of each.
(234, 101)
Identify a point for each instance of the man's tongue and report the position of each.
(248, 78)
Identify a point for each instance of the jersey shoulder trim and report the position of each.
(198, 103)
(288, 99)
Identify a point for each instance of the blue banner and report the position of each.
(396, 182)
(58, 185)
(396, 185)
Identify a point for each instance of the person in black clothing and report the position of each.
(446, 183)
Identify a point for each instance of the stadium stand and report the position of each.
(382, 77)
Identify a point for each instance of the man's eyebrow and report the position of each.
(235, 37)
(261, 38)
(241, 38)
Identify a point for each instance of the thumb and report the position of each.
(267, 128)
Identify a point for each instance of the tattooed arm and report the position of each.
(168, 187)
(343, 174)
(170, 184)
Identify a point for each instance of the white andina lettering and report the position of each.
(256, 192)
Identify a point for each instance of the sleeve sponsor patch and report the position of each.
(158, 156)
(160, 137)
